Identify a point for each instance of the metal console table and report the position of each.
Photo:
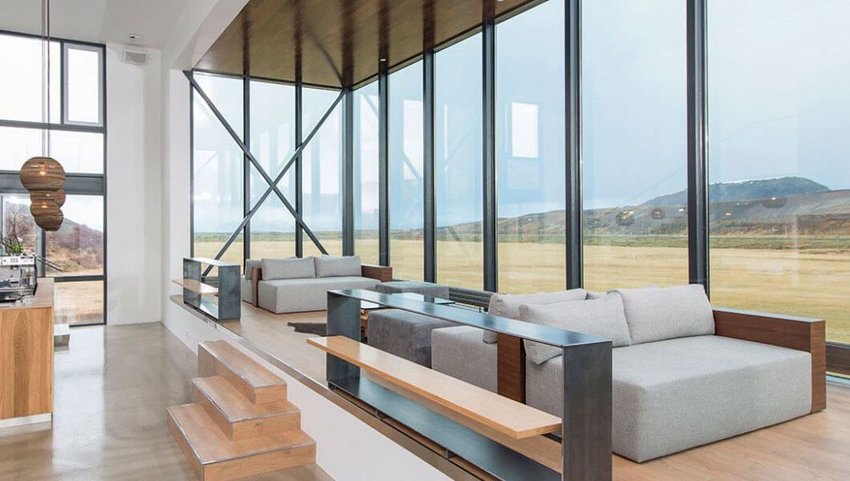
(586, 423)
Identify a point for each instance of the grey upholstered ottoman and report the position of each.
(403, 333)
(416, 287)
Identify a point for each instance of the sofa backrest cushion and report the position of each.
(292, 268)
(603, 317)
(250, 264)
(333, 266)
(507, 305)
(659, 313)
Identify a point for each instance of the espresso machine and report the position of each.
(17, 277)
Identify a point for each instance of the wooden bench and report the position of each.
(492, 411)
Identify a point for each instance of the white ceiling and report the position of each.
(96, 20)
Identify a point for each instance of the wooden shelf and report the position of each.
(483, 407)
(196, 287)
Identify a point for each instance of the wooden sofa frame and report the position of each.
(379, 273)
(799, 333)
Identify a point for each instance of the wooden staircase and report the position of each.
(240, 423)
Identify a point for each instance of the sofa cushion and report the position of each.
(507, 305)
(291, 268)
(673, 395)
(599, 317)
(416, 287)
(404, 334)
(334, 266)
(250, 264)
(655, 314)
(301, 295)
(459, 352)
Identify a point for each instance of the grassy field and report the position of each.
(808, 282)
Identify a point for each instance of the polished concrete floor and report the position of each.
(112, 387)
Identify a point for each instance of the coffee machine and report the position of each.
(17, 277)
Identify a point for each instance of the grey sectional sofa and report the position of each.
(302, 284)
(684, 374)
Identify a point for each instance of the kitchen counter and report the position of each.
(26, 358)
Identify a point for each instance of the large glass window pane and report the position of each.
(458, 162)
(84, 74)
(78, 302)
(322, 176)
(366, 173)
(217, 168)
(405, 172)
(20, 233)
(530, 150)
(779, 117)
(78, 152)
(272, 143)
(634, 115)
(22, 78)
(76, 249)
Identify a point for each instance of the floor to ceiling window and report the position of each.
(272, 126)
(779, 117)
(217, 173)
(366, 196)
(323, 176)
(73, 255)
(530, 150)
(458, 154)
(634, 120)
(406, 184)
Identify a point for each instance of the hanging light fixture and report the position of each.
(43, 176)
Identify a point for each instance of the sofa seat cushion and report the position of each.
(507, 305)
(301, 295)
(673, 395)
(602, 317)
(656, 314)
(460, 353)
(246, 286)
(404, 334)
(416, 287)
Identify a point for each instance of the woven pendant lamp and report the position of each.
(42, 174)
(57, 197)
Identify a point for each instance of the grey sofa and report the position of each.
(677, 384)
(302, 284)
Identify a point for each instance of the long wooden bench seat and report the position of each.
(506, 416)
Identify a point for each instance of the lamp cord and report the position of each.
(45, 75)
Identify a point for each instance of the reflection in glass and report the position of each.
(218, 167)
(366, 173)
(634, 139)
(405, 172)
(322, 176)
(458, 164)
(778, 158)
(530, 150)
(78, 303)
(272, 123)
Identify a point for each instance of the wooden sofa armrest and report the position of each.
(256, 277)
(511, 367)
(380, 273)
(799, 333)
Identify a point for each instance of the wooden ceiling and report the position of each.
(339, 43)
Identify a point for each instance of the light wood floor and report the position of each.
(815, 447)
(112, 387)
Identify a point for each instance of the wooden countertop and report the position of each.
(43, 297)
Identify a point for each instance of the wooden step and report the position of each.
(238, 417)
(258, 384)
(490, 410)
(216, 458)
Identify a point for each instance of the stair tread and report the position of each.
(210, 445)
(249, 370)
(235, 406)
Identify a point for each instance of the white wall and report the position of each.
(134, 189)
